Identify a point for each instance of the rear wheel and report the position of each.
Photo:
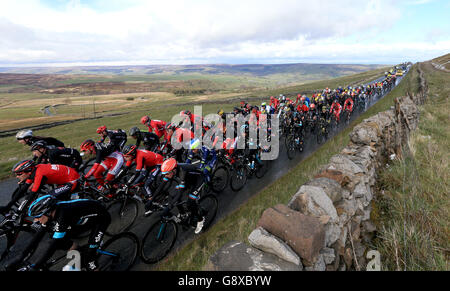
(238, 178)
(158, 241)
(262, 169)
(208, 207)
(290, 147)
(123, 214)
(119, 253)
(220, 178)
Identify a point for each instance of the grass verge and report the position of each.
(413, 205)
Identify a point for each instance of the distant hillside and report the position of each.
(260, 70)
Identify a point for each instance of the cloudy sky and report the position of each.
(119, 32)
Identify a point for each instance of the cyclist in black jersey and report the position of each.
(26, 137)
(149, 139)
(184, 176)
(61, 220)
(56, 155)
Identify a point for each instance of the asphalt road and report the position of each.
(228, 199)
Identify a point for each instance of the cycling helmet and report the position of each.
(313, 106)
(220, 112)
(88, 144)
(24, 134)
(23, 166)
(130, 150)
(134, 131)
(101, 129)
(38, 145)
(42, 206)
(263, 104)
(145, 119)
(168, 165)
(194, 144)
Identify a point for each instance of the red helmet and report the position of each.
(145, 119)
(185, 112)
(168, 165)
(313, 106)
(101, 129)
(23, 167)
(88, 144)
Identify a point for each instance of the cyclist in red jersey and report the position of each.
(156, 126)
(104, 161)
(39, 175)
(147, 162)
(348, 104)
(336, 109)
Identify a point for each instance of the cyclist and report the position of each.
(156, 126)
(149, 139)
(105, 160)
(147, 166)
(117, 138)
(37, 176)
(336, 109)
(26, 137)
(181, 174)
(51, 155)
(62, 220)
(348, 105)
(21, 190)
(208, 157)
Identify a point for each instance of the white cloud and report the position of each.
(179, 31)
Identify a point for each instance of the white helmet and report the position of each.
(24, 133)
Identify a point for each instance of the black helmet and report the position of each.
(42, 206)
(134, 131)
(24, 166)
(129, 150)
(38, 145)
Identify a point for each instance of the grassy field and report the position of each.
(240, 223)
(413, 208)
(160, 105)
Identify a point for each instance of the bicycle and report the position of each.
(238, 172)
(122, 204)
(119, 253)
(294, 142)
(161, 236)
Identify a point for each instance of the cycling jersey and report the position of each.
(158, 127)
(348, 105)
(62, 156)
(112, 162)
(53, 174)
(149, 139)
(117, 139)
(51, 141)
(208, 157)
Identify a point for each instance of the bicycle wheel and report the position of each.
(290, 147)
(238, 178)
(208, 207)
(123, 214)
(262, 169)
(219, 180)
(119, 253)
(158, 241)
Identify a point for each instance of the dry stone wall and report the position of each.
(327, 224)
